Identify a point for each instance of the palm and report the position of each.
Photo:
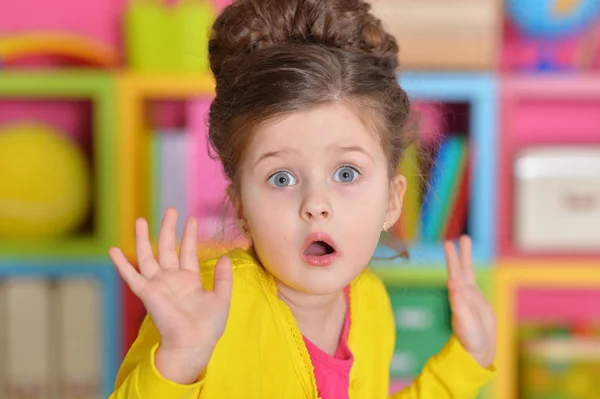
(186, 316)
(473, 320)
(182, 311)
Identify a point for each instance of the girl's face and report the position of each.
(314, 195)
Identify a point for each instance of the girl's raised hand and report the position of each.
(473, 319)
(189, 319)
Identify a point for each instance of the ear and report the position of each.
(238, 211)
(397, 190)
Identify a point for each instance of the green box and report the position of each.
(100, 88)
(420, 309)
(413, 349)
(165, 38)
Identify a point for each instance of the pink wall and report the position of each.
(561, 305)
(98, 19)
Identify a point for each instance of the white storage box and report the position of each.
(557, 199)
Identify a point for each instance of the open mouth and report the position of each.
(319, 248)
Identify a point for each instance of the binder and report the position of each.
(408, 224)
(79, 338)
(173, 158)
(3, 338)
(28, 314)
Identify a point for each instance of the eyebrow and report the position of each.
(333, 148)
(352, 148)
(275, 154)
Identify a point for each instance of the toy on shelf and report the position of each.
(559, 361)
(64, 45)
(552, 22)
(443, 34)
(168, 38)
(46, 183)
(564, 294)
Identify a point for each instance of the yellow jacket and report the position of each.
(262, 353)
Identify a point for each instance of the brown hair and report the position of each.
(272, 57)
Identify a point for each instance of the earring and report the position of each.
(386, 226)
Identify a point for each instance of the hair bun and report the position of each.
(247, 26)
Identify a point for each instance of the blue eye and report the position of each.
(345, 174)
(282, 179)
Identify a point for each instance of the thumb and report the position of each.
(223, 278)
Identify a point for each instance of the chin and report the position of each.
(319, 283)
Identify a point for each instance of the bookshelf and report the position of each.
(518, 282)
(106, 345)
(550, 112)
(479, 92)
(45, 267)
(54, 86)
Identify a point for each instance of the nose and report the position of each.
(315, 205)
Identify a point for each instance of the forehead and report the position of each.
(313, 130)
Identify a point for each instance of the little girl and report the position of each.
(309, 123)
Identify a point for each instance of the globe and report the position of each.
(552, 19)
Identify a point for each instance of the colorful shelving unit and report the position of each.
(99, 87)
(134, 144)
(550, 112)
(82, 257)
(547, 285)
(539, 291)
(479, 92)
(108, 345)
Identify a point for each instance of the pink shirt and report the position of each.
(332, 373)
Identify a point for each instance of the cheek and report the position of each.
(369, 202)
(266, 213)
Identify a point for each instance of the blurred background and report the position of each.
(102, 120)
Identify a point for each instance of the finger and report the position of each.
(223, 278)
(143, 249)
(167, 241)
(484, 309)
(466, 260)
(480, 310)
(134, 280)
(452, 261)
(462, 311)
(189, 252)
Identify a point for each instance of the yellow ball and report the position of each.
(45, 183)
